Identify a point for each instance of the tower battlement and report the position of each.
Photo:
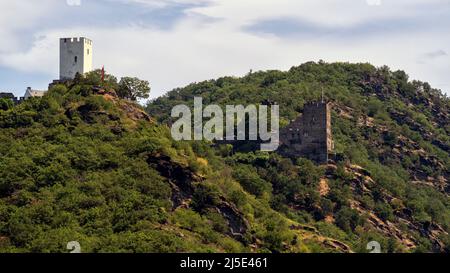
(75, 57)
(75, 40)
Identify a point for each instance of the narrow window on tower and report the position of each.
(76, 58)
(88, 51)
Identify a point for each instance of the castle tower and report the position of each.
(75, 56)
(310, 134)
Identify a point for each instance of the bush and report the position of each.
(6, 104)
(348, 219)
(384, 211)
(205, 196)
(250, 180)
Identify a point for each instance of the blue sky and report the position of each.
(174, 42)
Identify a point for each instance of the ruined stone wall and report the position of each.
(310, 134)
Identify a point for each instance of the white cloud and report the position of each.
(195, 49)
(19, 16)
(41, 57)
(324, 12)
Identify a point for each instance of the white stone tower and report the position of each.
(75, 55)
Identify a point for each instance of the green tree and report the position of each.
(133, 88)
(6, 104)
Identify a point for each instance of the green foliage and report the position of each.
(250, 180)
(394, 128)
(67, 173)
(348, 219)
(384, 211)
(133, 88)
(75, 166)
(205, 196)
(6, 104)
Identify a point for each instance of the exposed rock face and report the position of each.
(133, 111)
(362, 184)
(309, 232)
(236, 221)
(183, 183)
(393, 148)
(180, 178)
(324, 189)
(386, 227)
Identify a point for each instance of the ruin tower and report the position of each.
(310, 134)
(75, 56)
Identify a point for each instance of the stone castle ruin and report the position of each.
(309, 135)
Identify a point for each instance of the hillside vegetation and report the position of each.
(389, 181)
(81, 164)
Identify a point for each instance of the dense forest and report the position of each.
(390, 179)
(82, 164)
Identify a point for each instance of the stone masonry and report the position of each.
(309, 135)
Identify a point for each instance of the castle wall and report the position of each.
(310, 134)
(75, 56)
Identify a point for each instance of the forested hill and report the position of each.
(391, 183)
(81, 164)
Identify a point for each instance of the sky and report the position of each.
(172, 43)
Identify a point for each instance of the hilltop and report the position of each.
(389, 181)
